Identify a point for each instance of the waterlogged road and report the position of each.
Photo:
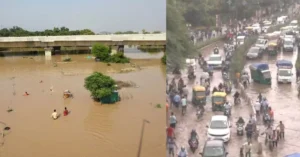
(284, 101)
(189, 121)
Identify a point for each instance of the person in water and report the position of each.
(54, 115)
(26, 94)
(66, 112)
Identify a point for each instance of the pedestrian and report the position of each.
(183, 104)
(257, 107)
(173, 120)
(54, 115)
(249, 130)
(170, 133)
(66, 112)
(247, 148)
(281, 128)
(171, 147)
(274, 138)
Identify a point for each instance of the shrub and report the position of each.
(104, 54)
(99, 85)
(119, 58)
(164, 59)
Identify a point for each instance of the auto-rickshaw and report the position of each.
(218, 100)
(272, 49)
(199, 95)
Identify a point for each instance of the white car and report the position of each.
(256, 27)
(262, 43)
(219, 128)
(215, 60)
(291, 37)
(284, 75)
(240, 40)
(288, 45)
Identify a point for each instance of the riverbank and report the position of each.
(90, 126)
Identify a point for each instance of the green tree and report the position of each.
(102, 52)
(179, 46)
(99, 85)
(156, 32)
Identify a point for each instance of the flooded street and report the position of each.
(282, 98)
(92, 129)
(189, 121)
(284, 101)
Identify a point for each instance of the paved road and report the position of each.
(189, 121)
(283, 99)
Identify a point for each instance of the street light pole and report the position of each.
(141, 138)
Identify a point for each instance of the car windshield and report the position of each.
(267, 74)
(218, 124)
(254, 50)
(199, 93)
(260, 42)
(240, 40)
(218, 99)
(285, 73)
(213, 152)
(288, 42)
(215, 58)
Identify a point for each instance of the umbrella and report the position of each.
(293, 155)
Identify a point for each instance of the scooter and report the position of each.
(266, 119)
(193, 142)
(227, 112)
(240, 129)
(199, 113)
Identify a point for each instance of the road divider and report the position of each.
(209, 42)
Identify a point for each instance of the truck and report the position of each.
(260, 73)
(284, 71)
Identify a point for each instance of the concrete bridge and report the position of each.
(81, 42)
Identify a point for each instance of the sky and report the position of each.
(97, 15)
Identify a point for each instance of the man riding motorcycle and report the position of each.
(180, 86)
(183, 152)
(220, 87)
(216, 50)
(259, 97)
(240, 121)
(214, 90)
(245, 79)
(194, 136)
(236, 96)
(227, 107)
(264, 105)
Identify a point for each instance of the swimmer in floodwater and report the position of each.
(54, 115)
(26, 94)
(66, 112)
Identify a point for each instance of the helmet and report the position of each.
(182, 148)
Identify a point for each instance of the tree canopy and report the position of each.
(103, 53)
(99, 85)
(19, 32)
(178, 43)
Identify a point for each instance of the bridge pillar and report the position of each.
(121, 48)
(48, 51)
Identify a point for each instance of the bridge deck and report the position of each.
(121, 37)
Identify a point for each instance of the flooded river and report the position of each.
(91, 129)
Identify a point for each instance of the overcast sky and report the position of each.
(97, 15)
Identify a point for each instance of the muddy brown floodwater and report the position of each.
(91, 129)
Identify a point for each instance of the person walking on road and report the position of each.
(171, 147)
(173, 120)
(257, 106)
(247, 148)
(183, 105)
(281, 128)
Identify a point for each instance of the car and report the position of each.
(214, 148)
(215, 60)
(219, 128)
(288, 45)
(256, 27)
(241, 39)
(254, 52)
(289, 36)
(262, 43)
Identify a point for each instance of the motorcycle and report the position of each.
(240, 129)
(237, 101)
(193, 142)
(211, 73)
(199, 113)
(266, 119)
(227, 112)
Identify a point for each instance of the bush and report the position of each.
(164, 59)
(119, 58)
(103, 52)
(239, 57)
(99, 85)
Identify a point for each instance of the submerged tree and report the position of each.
(99, 85)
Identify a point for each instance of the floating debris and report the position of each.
(123, 84)
(158, 106)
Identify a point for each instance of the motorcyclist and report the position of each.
(180, 84)
(214, 90)
(209, 69)
(227, 106)
(216, 50)
(220, 86)
(245, 78)
(194, 134)
(240, 121)
(183, 152)
(271, 113)
(236, 96)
